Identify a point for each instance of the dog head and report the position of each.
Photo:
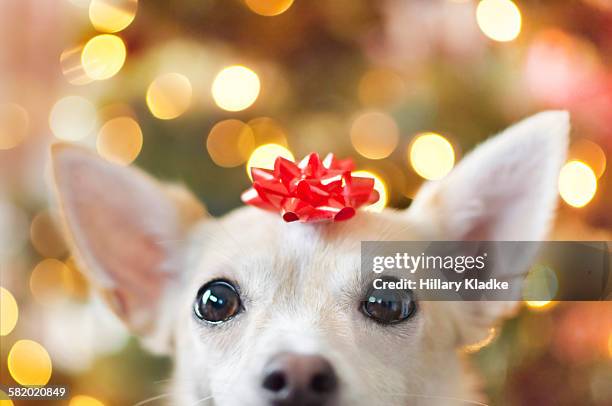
(260, 312)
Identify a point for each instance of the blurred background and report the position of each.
(197, 91)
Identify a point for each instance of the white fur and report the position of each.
(300, 283)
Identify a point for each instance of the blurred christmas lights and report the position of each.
(72, 66)
(499, 20)
(381, 88)
(235, 88)
(112, 15)
(120, 140)
(72, 118)
(14, 122)
(379, 186)
(589, 152)
(265, 155)
(374, 134)
(169, 96)
(268, 131)
(577, 183)
(9, 312)
(540, 286)
(46, 237)
(103, 56)
(29, 363)
(230, 142)
(48, 281)
(269, 7)
(431, 155)
(82, 400)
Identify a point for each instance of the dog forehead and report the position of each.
(255, 228)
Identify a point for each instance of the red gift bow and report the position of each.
(312, 190)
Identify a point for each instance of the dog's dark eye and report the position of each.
(388, 306)
(217, 301)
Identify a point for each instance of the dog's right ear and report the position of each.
(125, 229)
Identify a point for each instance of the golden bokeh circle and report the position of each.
(48, 281)
(269, 8)
(380, 186)
(235, 88)
(268, 131)
(112, 15)
(4, 399)
(381, 87)
(9, 312)
(589, 152)
(83, 400)
(431, 155)
(169, 96)
(120, 140)
(72, 118)
(103, 56)
(72, 66)
(14, 122)
(29, 363)
(374, 134)
(230, 142)
(265, 155)
(577, 183)
(499, 20)
(46, 236)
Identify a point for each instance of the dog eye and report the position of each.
(217, 302)
(388, 306)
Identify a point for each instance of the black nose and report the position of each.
(299, 380)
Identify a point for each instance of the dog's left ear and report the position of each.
(505, 190)
(126, 231)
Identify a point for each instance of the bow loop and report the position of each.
(312, 190)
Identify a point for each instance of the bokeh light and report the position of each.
(540, 286)
(577, 183)
(29, 363)
(381, 87)
(479, 345)
(82, 400)
(374, 134)
(431, 155)
(112, 15)
(72, 118)
(103, 56)
(48, 281)
(74, 282)
(380, 186)
(14, 123)
(4, 399)
(169, 96)
(589, 152)
(230, 142)
(120, 140)
(540, 305)
(265, 155)
(46, 236)
(269, 8)
(268, 131)
(235, 88)
(9, 312)
(499, 20)
(72, 66)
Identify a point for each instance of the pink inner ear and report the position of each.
(114, 215)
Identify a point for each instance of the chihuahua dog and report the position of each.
(256, 311)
